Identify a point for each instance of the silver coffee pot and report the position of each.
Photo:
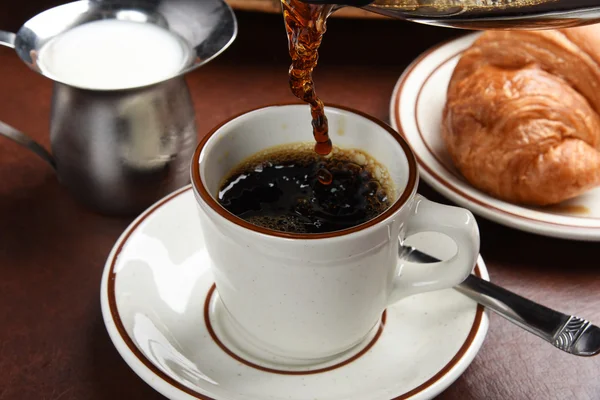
(482, 14)
(120, 150)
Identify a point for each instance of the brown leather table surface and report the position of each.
(53, 344)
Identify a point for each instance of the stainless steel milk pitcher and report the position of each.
(119, 151)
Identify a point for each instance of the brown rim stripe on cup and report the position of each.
(423, 165)
(199, 187)
(112, 304)
(232, 354)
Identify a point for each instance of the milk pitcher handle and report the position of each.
(25, 141)
(8, 39)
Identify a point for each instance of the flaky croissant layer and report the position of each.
(521, 121)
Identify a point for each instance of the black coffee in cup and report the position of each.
(293, 189)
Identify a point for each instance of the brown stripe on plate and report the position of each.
(423, 165)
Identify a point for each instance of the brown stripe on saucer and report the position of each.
(112, 303)
(232, 354)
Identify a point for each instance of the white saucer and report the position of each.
(154, 291)
(416, 111)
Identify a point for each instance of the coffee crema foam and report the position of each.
(280, 189)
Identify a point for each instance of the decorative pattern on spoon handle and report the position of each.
(566, 337)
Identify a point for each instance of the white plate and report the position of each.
(154, 290)
(416, 111)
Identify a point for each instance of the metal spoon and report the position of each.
(569, 333)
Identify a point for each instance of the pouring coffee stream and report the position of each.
(305, 25)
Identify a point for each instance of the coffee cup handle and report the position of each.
(457, 223)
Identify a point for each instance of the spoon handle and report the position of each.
(569, 333)
(566, 332)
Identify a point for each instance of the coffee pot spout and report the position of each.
(483, 14)
(352, 3)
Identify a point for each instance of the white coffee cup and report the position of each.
(305, 298)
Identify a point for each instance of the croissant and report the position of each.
(522, 116)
